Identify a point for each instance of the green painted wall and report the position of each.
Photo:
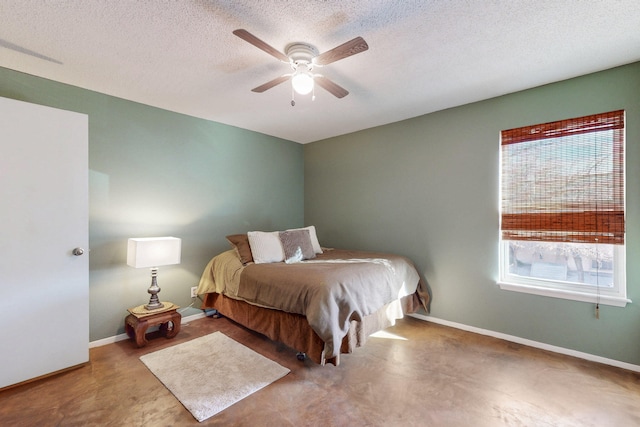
(428, 188)
(155, 173)
(425, 188)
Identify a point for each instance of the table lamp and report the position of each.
(153, 252)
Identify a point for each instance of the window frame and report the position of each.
(571, 291)
(616, 296)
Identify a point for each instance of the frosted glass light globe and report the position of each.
(302, 83)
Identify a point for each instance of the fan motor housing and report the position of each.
(301, 53)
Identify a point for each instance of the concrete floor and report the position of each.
(417, 374)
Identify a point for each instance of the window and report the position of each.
(562, 209)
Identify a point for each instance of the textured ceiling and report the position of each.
(423, 56)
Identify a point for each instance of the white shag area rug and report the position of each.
(211, 373)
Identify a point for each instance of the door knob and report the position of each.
(78, 251)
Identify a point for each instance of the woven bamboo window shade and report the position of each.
(564, 181)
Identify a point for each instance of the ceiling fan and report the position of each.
(302, 58)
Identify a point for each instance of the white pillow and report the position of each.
(314, 239)
(266, 247)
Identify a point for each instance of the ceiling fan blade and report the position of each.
(250, 38)
(331, 87)
(349, 48)
(272, 83)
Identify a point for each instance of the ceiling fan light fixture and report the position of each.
(303, 57)
(302, 82)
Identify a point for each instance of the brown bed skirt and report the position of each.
(294, 331)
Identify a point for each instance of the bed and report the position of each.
(322, 304)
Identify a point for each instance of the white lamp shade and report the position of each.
(153, 251)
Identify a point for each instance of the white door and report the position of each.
(44, 287)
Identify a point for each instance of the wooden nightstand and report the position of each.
(137, 323)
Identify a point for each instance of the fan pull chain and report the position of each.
(597, 311)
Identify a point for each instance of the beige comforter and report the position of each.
(330, 290)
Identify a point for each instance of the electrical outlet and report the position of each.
(193, 291)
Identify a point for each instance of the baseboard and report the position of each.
(121, 337)
(506, 337)
(530, 343)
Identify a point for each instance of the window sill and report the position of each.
(564, 294)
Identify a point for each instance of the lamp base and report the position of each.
(154, 289)
(153, 306)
